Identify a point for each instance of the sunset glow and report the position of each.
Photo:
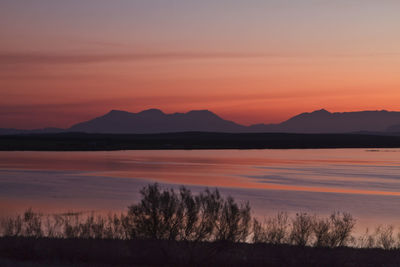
(247, 61)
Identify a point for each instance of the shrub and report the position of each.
(164, 214)
(366, 240)
(29, 225)
(302, 229)
(322, 231)
(12, 226)
(33, 224)
(234, 222)
(157, 216)
(384, 237)
(342, 226)
(273, 231)
(333, 231)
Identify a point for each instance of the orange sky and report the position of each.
(248, 61)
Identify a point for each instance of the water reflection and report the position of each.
(359, 181)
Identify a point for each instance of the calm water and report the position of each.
(363, 182)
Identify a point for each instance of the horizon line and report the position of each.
(194, 110)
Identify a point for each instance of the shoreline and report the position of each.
(193, 141)
(24, 251)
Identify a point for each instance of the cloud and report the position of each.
(12, 58)
(8, 58)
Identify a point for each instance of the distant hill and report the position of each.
(323, 121)
(156, 121)
(320, 121)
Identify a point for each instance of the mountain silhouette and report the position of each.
(156, 121)
(323, 121)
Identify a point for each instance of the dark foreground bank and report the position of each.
(192, 140)
(22, 251)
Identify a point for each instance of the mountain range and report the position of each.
(156, 121)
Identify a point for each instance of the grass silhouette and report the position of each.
(168, 227)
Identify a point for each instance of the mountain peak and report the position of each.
(155, 121)
(202, 113)
(318, 121)
(321, 111)
(152, 111)
(116, 112)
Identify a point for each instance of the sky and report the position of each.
(254, 61)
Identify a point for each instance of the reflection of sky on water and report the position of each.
(319, 181)
(384, 178)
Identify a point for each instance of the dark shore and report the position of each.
(90, 252)
(22, 251)
(192, 140)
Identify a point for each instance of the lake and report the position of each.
(364, 182)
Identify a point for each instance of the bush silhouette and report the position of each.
(192, 219)
(272, 231)
(334, 231)
(302, 228)
(165, 214)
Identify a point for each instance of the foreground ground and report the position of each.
(80, 252)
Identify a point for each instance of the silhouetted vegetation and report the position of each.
(200, 228)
